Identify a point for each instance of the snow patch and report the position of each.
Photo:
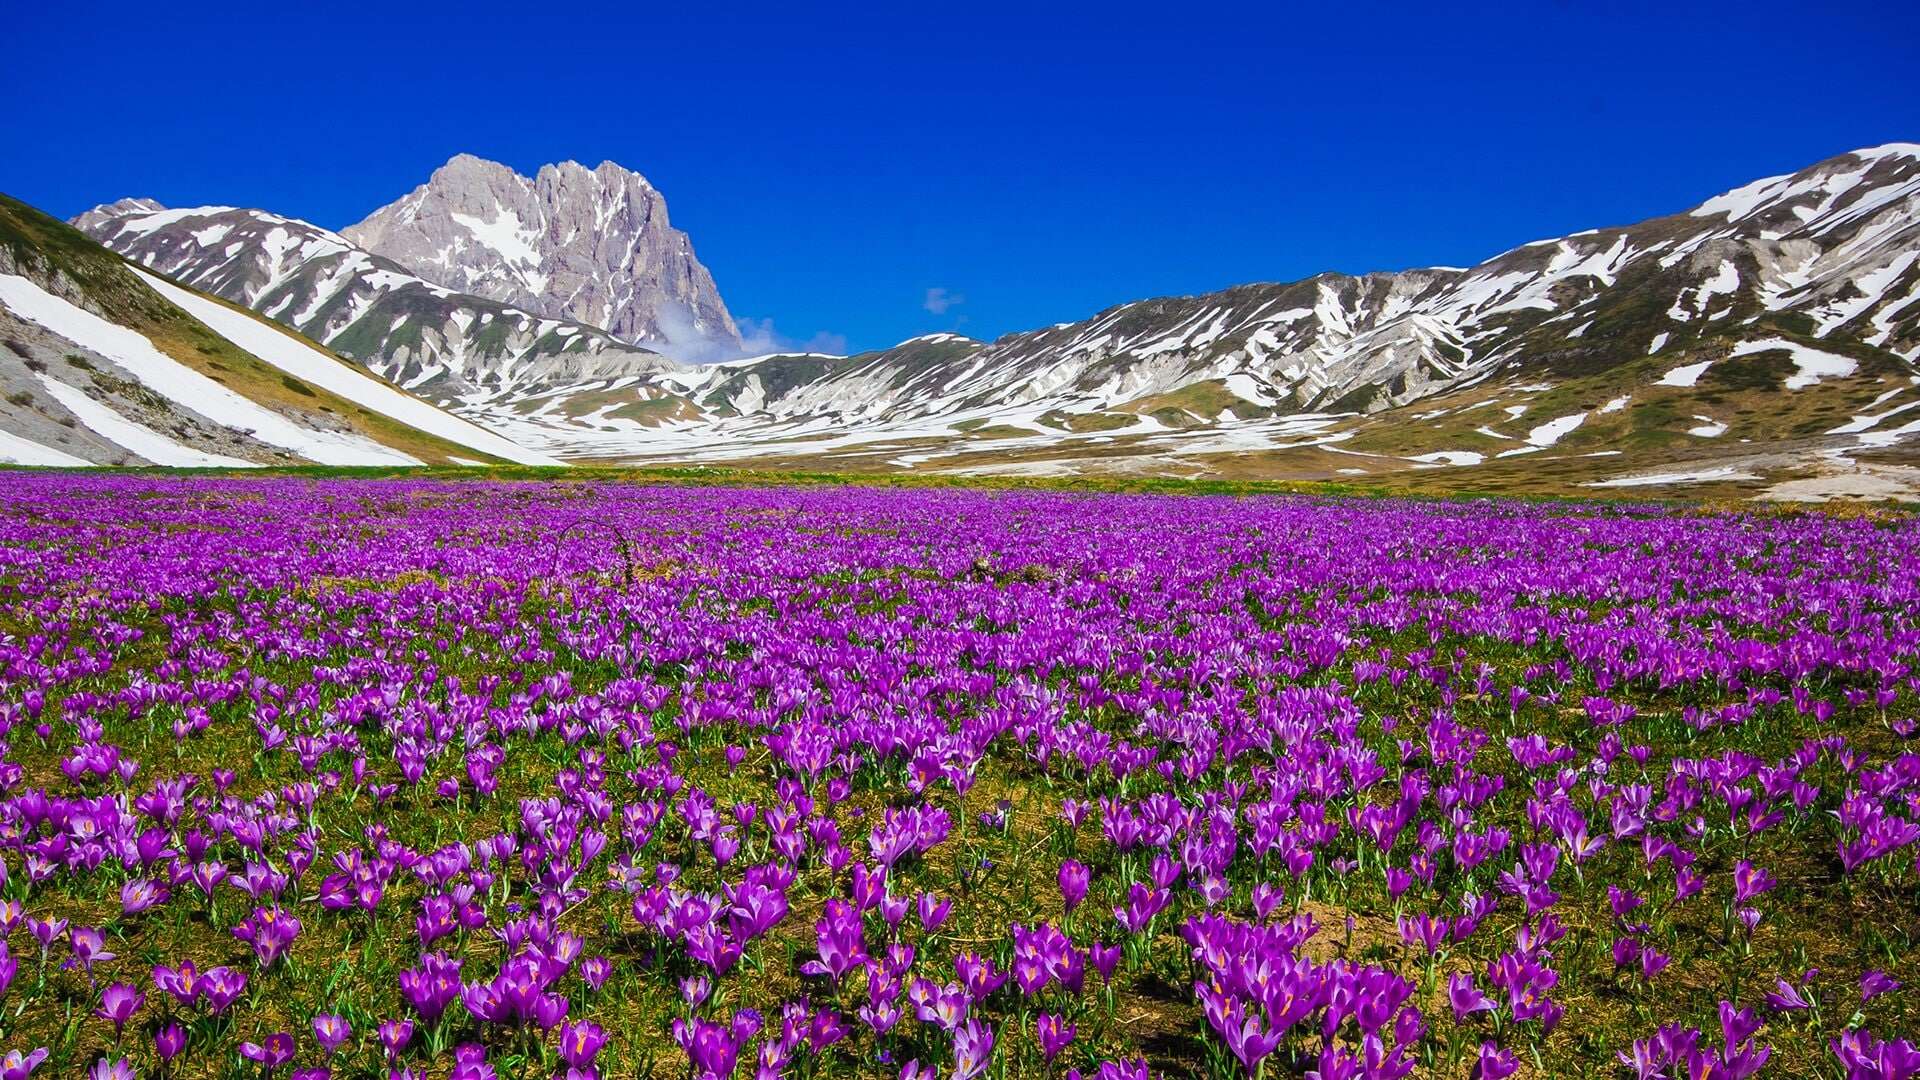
(1724, 472)
(1686, 375)
(211, 235)
(128, 435)
(1810, 365)
(15, 450)
(1554, 430)
(1450, 457)
(504, 234)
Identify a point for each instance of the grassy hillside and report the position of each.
(73, 265)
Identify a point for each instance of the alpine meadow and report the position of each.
(1245, 544)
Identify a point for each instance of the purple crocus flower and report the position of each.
(714, 1049)
(141, 895)
(118, 1003)
(1245, 1031)
(934, 912)
(394, 1037)
(1750, 881)
(1054, 1034)
(431, 986)
(1141, 906)
(978, 975)
(1105, 959)
(106, 1069)
(470, 1063)
(272, 1053)
(184, 982)
(1866, 1057)
(1687, 882)
(580, 1043)
(1493, 1063)
(331, 1032)
(169, 1040)
(1876, 982)
(972, 1050)
(1466, 998)
(1267, 897)
(223, 987)
(756, 908)
(46, 931)
(1073, 883)
(594, 971)
(841, 941)
(1424, 930)
(1786, 997)
(270, 930)
(1737, 1025)
(694, 990)
(18, 1066)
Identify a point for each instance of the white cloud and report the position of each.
(687, 343)
(758, 337)
(939, 300)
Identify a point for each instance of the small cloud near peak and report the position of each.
(940, 300)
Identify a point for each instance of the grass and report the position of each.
(1507, 481)
(1088, 423)
(1200, 402)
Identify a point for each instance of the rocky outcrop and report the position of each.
(589, 245)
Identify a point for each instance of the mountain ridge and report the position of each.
(1823, 259)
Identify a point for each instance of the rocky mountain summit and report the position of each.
(592, 246)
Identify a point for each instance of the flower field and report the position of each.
(453, 779)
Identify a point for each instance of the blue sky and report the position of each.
(1033, 163)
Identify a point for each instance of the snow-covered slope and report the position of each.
(305, 361)
(442, 344)
(106, 364)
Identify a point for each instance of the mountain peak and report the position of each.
(594, 246)
(465, 162)
(1822, 189)
(1892, 149)
(117, 209)
(613, 170)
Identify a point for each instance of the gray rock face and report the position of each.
(589, 245)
